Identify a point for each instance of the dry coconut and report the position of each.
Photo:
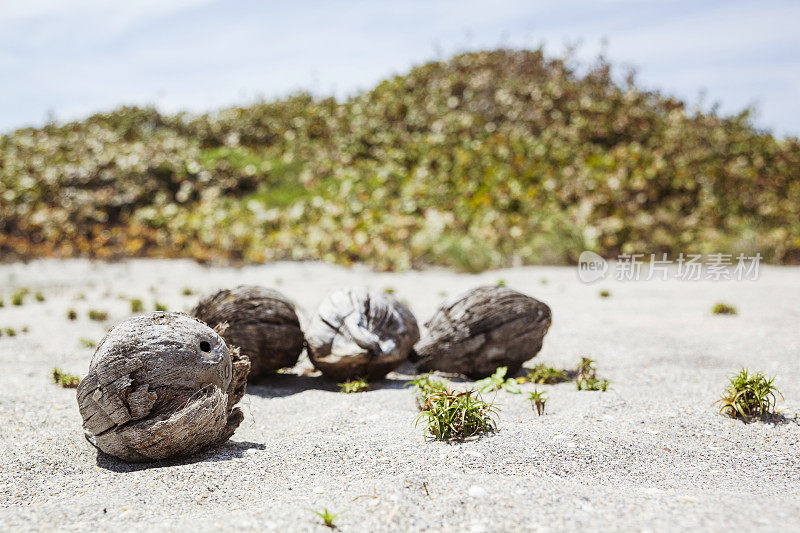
(477, 332)
(358, 333)
(261, 322)
(161, 385)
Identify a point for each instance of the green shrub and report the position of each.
(354, 385)
(498, 381)
(64, 379)
(586, 369)
(586, 377)
(723, 309)
(327, 517)
(18, 298)
(88, 343)
(453, 416)
(592, 384)
(486, 160)
(538, 400)
(425, 385)
(749, 395)
(95, 314)
(159, 306)
(136, 305)
(72, 314)
(545, 375)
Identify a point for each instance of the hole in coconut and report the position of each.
(205, 346)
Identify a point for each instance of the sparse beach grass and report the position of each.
(749, 395)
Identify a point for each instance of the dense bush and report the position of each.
(488, 159)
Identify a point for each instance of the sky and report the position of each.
(66, 60)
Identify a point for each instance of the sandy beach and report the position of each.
(652, 453)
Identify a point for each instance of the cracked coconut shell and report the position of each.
(479, 331)
(359, 333)
(161, 385)
(261, 322)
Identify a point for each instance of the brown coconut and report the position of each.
(261, 322)
(483, 329)
(359, 333)
(161, 385)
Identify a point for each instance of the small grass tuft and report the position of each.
(11, 332)
(723, 309)
(498, 381)
(88, 343)
(586, 378)
(18, 298)
(537, 401)
(605, 293)
(2, 303)
(95, 314)
(501, 283)
(187, 291)
(327, 517)
(586, 369)
(425, 386)
(136, 305)
(159, 306)
(545, 375)
(749, 395)
(388, 290)
(592, 384)
(454, 416)
(354, 385)
(72, 314)
(39, 296)
(68, 381)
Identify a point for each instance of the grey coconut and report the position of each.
(360, 333)
(261, 322)
(161, 385)
(477, 332)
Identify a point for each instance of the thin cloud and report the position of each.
(197, 54)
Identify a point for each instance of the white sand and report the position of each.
(652, 453)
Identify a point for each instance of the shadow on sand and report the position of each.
(288, 384)
(229, 450)
(281, 385)
(777, 419)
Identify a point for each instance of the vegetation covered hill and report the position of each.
(485, 160)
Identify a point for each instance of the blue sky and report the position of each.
(74, 58)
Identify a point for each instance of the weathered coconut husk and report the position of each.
(359, 333)
(483, 329)
(261, 322)
(161, 385)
